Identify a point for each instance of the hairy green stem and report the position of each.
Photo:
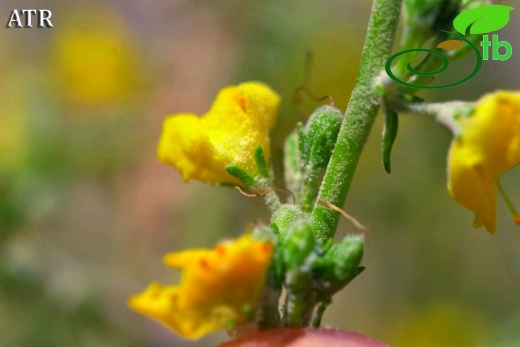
(272, 200)
(359, 117)
(444, 112)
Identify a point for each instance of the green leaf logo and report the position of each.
(482, 20)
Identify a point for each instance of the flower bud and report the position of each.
(318, 138)
(340, 264)
(284, 217)
(316, 141)
(298, 244)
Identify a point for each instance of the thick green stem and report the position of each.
(359, 117)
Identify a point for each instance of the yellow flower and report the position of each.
(238, 121)
(219, 288)
(488, 146)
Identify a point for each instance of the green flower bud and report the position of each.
(318, 137)
(316, 141)
(340, 264)
(299, 243)
(284, 217)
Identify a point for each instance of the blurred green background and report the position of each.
(86, 210)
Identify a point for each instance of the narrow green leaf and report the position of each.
(389, 135)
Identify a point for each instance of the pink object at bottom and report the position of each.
(304, 338)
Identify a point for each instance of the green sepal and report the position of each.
(261, 164)
(244, 176)
(390, 127)
(339, 265)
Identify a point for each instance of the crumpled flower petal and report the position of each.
(488, 146)
(238, 121)
(219, 287)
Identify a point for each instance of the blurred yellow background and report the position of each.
(87, 212)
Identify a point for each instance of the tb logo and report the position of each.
(495, 44)
(476, 21)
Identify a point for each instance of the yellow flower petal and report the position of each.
(488, 146)
(218, 287)
(238, 121)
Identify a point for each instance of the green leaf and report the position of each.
(482, 20)
(389, 135)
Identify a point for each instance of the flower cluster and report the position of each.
(222, 287)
